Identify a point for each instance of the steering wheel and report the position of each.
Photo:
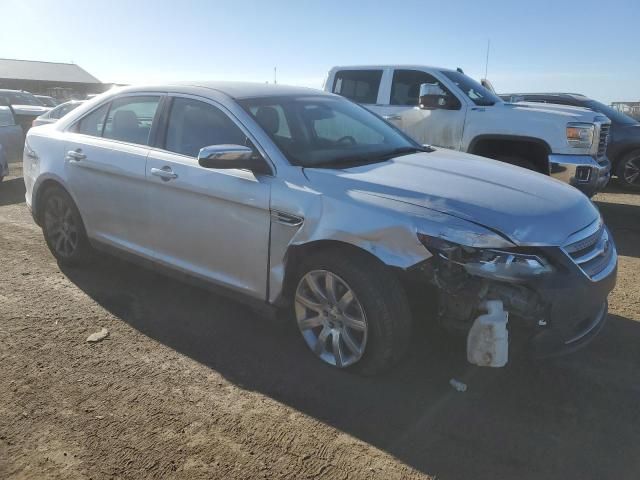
(347, 138)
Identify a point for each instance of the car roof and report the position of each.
(401, 67)
(236, 90)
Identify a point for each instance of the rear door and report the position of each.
(440, 128)
(362, 86)
(210, 223)
(105, 160)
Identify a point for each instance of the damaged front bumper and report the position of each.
(559, 311)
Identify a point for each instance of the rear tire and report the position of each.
(352, 311)
(63, 228)
(628, 171)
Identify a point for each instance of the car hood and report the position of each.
(527, 207)
(571, 113)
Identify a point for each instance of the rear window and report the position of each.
(358, 85)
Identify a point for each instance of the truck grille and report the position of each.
(594, 253)
(603, 140)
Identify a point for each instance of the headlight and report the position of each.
(489, 263)
(580, 135)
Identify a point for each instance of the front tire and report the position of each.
(628, 171)
(63, 228)
(352, 312)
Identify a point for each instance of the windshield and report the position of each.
(20, 98)
(614, 115)
(472, 89)
(319, 131)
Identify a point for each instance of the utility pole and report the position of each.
(275, 75)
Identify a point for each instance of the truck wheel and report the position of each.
(518, 162)
(352, 312)
(63, 228)
(628, 170)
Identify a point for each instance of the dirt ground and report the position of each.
(192, 385)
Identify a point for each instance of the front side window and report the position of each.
(327, 131)
(472, 89)
(6, 117)
(358, 85)
(92, 123)
(405, 87)
(130, 119)
(194, 125)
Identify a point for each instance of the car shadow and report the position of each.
(12, 191)
(574, 417)
(624, 222)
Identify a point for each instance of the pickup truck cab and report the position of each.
(445, 108)
(26, 107)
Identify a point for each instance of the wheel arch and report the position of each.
(38, 195)
(487, 144)
(296, 252)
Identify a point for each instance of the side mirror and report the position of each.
(432, 97)
(231, 157)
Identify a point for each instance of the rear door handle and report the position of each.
(76, 155)
(392, 118)
(165, 173)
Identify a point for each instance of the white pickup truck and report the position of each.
(445, 108)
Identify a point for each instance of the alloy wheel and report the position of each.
(60, 226)
(632, 171)
(330, 318)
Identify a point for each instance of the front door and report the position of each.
(440, 128)
(210, 223)
(105, 156)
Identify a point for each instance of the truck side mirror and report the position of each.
(433, 97)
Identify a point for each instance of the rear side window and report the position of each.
(130, 119)
(358, 85)
(194, 125)
(6, 117)
(93, 123)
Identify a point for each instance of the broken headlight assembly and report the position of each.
(495, 264)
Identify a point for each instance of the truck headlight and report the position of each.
(490, 263)
(580, 135)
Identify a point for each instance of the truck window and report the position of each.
(405, 87)
(358, 85)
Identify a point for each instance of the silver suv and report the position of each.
(304, 202)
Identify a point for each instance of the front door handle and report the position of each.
(76, 155)
(392, 118)
(165, 173)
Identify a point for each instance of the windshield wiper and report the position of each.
(357, 160)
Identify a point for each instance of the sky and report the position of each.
(583, 46)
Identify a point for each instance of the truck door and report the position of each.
(437, 127)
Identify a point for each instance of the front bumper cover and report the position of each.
(577, 307)
(581, 171)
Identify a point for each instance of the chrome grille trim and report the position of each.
(603, 140)
(592, 250)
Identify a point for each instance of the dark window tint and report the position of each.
(130, 119)
(405, 87)
(194, 125)
(92, 123)
(358, 85)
